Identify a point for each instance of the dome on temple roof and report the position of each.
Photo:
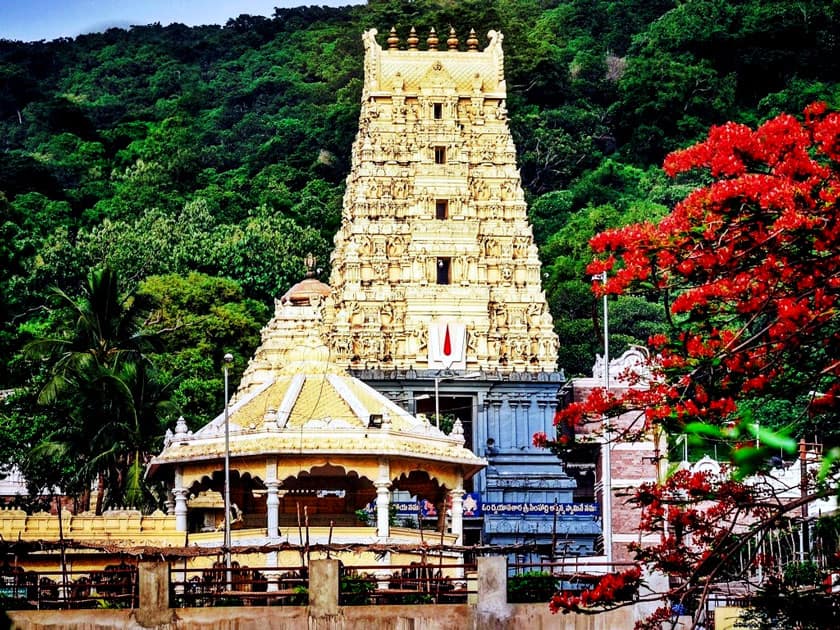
(303, 291)
(308, 288)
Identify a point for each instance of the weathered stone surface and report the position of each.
(429, 617)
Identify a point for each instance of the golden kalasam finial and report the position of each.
(472, 41)
(412, 40)
(433, 40)
(310, 262)
(393, 39)
(452, 41)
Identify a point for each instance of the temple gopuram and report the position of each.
(435, 297)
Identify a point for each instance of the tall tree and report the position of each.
(749, 270)
(99, 376)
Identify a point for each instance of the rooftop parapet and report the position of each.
(412, 70)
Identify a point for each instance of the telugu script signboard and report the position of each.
(475, 508)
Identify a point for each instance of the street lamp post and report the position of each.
(437, 401)
(228, 359)
(602, 277)
(606, 479)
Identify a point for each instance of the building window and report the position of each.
(441, 209)
(443, 270)
(437, 109)
(440, 155)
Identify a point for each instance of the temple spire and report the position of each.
(472, 41)
(452, 40)
(412, 40)
(435, 265)
(393, 39)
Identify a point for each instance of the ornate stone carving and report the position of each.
(455, 242)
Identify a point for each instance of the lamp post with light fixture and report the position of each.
(228, 359)
(606, 479)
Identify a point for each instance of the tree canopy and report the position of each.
(748, 269)
(113, 403)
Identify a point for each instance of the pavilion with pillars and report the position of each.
(307, 438)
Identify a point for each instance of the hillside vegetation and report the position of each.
(203, 164)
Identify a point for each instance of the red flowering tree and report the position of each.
(748, 267)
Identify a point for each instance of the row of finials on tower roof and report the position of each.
(432, 40)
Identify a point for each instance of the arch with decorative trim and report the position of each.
(206, 503)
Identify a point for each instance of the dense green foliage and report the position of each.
(531, 586)
(202, 164)
(109, 397)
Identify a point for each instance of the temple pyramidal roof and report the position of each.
(317, 408)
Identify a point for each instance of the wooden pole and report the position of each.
(300, 537)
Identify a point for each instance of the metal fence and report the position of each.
(239, 586)
(113, 587)
(415, 583)
(533, 582)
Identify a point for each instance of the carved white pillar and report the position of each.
(383, 499)
(273, 578)
(272, 508)
(457, 511)
(180, 509)
(180, 493)
(383, 504)
(272, 502)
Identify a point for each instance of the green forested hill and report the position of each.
(215, 156)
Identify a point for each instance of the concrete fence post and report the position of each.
(323, 588)
(153, 590)
(492, 586)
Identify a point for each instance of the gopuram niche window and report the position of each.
(441, 209)
(440, 155)
(437, 110)
(443, 270)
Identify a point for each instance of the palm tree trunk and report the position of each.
(100, 493)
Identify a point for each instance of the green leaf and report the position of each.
(134, 483)
(829, 459)
(770, 438)
(702, 428)
(747, 460)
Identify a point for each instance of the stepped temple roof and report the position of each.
(293, 402)
(317, 409)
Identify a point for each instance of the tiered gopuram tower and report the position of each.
(435, 288)
(435, 265)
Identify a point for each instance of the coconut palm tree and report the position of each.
(100, 375)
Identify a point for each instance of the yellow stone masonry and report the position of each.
(127, 527)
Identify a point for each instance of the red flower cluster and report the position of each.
(656, 620)
(609, 589)
(759, 244)
(749, 267)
